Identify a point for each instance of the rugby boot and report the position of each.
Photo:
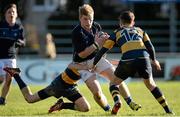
(116, 108)
(134, 106)
(171, 113)
(12, 71)
(2, 101)
(57, 106)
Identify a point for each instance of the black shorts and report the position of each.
(127, 69)
(59, 88)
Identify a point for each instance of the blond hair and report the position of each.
(86, 10)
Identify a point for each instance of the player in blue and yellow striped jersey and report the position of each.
(137, 54)
(64, 85)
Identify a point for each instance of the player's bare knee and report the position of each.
(85, 108)
(29, 99)
(150, 84)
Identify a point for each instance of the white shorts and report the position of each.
(6, 63)
(102, 65)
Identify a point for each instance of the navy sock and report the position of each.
(128, 100)
(160, 98)
(107, 108)
(19, 81)
(2, 100)
(114, 90)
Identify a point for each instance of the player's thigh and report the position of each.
(104, 65)
(144, 68)
(93, 84)
(150, 83)
(9, 63)
(86, 74)
(6, 63)
(105, 68)
(56, 88)
(116, 80)
(82, 104)
(108, 73)
(124, 70)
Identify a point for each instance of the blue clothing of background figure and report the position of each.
(11, 37)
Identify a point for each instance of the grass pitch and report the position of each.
(17, 106)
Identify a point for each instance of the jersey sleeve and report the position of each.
(77, 42)
(21, 33)
(21, 37)
(110, 42)
(97, 26)
(149, 46)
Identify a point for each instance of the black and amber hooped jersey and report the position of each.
(70, 76)
(131, 42)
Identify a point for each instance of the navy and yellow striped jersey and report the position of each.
(131, 41)
(70, 76)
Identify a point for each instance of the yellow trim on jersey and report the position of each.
(140, 31)
(118, 35)
(132, 45)
(109, 44)
(146, 37)
(67, 79)
(75, 71)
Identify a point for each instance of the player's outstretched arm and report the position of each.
(78, 66)
(99, 55)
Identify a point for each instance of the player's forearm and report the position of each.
(88, 51)
(99, 55)
(77, 66)
(150, 49)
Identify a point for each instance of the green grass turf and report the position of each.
(17, 106)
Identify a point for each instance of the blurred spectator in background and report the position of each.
(164, 10)
(50, 46)
(11, 37)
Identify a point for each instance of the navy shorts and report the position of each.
(59, 88)
(126, 69)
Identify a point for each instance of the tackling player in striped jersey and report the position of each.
(63, 85)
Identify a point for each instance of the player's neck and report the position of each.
(126, 25)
